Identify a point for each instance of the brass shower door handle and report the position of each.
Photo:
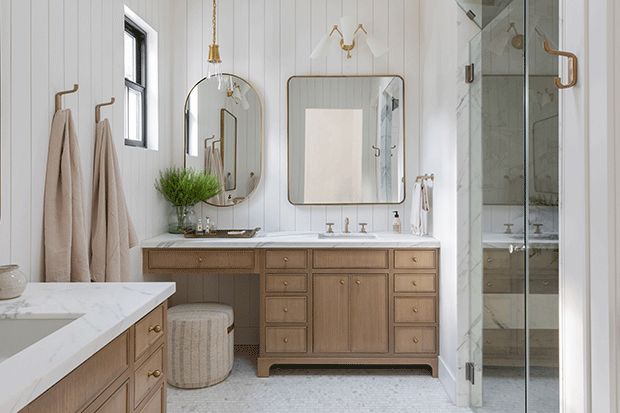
(573, 63)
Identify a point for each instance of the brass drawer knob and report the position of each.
(285, 259)
(199, 259)
(156, 329)
(285, 283)
(415, 309)
(489, 260)
(414, 259)
(341, 282)
(154, 373)
(358, 282)
(415, 340)
(285, 339)
(489, 284)
(285, 310)
(546, 283)
(414, 283)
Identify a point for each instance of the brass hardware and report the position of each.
(415, 340)
(330, 227)
(214, 48)
(363, 229)
(155, 329)
(415, 309)
(285, 339)
(154, 373)
(377, 151)
(546, 283)
(573, 64)
(415, 284)
(358, 282)
(285, 310)
(414, 259)
(341, 282)
(489, 260)
(425, 177)
(285, 283)
(469, 73)
(489, 284)
(285, 259)
(59, 95)
(99, 106)
(518, 40)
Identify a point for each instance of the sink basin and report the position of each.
(20, 333)
(548, 236)
(347, 236)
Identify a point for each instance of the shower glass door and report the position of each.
(514, 156)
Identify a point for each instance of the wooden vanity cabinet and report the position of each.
(125, 376)
(358, 303)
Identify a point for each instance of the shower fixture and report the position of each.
(518, 40)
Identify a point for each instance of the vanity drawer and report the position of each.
(148, 330)
(283, 259)
(285, 309)
(215, 260)
(415, 340)
(285, 340)
(156, 403)
(414, 283)
(423, 259)
(502, 283)
(544, 259)
(286, 283)
(148, 375)
(415, 310)
(354, 259)
(118, 402)
(547, 284)
(496, 259)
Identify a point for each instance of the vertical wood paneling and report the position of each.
(46, 47)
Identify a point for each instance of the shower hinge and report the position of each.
(471, 15)
(469, 73)
(469, 372)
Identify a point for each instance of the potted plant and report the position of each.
(184, 188)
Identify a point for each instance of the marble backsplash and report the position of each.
(495, 216)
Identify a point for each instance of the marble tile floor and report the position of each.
(319, 389)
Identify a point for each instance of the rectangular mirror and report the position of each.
(346, 140)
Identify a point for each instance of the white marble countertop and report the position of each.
(102, 312)
(293, 240)
(504, 241)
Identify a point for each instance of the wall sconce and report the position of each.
(349, 31)
(238, 93)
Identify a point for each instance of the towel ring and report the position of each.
(98, 109)
(59, 96)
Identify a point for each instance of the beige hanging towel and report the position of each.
(65, 240)
(214, 167)
(112, 232)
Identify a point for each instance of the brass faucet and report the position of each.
(346, 226)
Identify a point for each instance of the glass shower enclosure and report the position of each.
(514, 203)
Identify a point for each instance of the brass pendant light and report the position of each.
(214, 60)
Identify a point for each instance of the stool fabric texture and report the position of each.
(200, 346)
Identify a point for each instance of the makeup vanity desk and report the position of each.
(325, 301)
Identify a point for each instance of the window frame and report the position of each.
(140, 85)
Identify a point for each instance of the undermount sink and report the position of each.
(347, 236)
(20, 333)
(548, 236)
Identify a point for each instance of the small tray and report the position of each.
(224, 233)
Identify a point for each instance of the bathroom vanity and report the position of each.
(85, 348)
(326, 301)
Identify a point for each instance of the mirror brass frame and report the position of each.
(261, 136)
(223, 112)
(288, 138)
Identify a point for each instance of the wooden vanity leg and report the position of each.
(433, 365)
(262, 368)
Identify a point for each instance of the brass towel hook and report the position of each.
(98, 109)
(573, 64)
(64, 92)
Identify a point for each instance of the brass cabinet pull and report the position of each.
(415, 309)
(415, 340)
(285, 283)
(415, 284)
(341, 282)
(285, 310)
(285, 339)
(573, 64)
(285, 259)
(546, 283)
(414, 259)
(155, 328)
(154, 373)
(489, 284)
(489, 260)
(358, 282)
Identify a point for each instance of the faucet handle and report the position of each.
(330, 227)
(508, 229)
(363, 227)
(537, 228)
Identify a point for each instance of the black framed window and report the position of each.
(135, 85)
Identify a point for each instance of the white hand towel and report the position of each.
(426, 206)
(112, 232)
(416, 209)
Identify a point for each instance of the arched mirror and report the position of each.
(224, 135)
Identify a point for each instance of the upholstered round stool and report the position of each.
(200, 344)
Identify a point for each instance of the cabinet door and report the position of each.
(369, 313)
(331, 313)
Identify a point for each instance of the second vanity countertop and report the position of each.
(99, 313)
(293, 240)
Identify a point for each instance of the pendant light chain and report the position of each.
(214, 23)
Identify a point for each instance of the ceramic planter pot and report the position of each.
(12, 282)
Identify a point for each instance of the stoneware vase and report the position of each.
(12, 282)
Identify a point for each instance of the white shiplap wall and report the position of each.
(46, 46)
(266, 42)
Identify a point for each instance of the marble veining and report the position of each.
(292, 240)
(101, 312)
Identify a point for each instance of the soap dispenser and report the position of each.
(396, 226)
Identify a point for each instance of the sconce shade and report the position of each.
(321, 49)
(347, 27)
(377, 48)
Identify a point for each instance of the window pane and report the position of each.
(130, 57)
(133, 124)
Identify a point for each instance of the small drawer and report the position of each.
(148, 375)
(415, 310)
(285, 340)
(354, 259)
(423, 259)
(283, 259)
(118, 402)
(544, 259)
(414, 283)
(286, 283)
(415, 340)
(285, 309)
(500, 284)
(200, 259)
(156, 403)
(496, 259)
(149, 330)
